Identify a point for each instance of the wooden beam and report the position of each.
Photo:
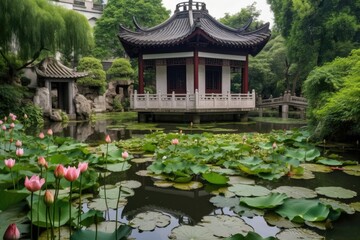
(245, 76)
(141, 74)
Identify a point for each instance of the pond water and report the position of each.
(189, 207)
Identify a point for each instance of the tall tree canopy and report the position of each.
(316, 31)
(148, 14)
(31, 26)
(241, 18)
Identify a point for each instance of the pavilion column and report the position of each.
(196, 70)
(245, 76)
(141, 74)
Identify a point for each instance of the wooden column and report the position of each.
(196, 70)
(245, 76)
(141, 74)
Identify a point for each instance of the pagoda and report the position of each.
(192, 58)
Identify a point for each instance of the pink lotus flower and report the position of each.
(41, 161)
(83, 166)
(19, 152)
(18, 143)
(1, 122)
(48, 197)
(12, 232)
(108, 139)
(59, 171)
(125, 155)
(50, 132)
(13, 118)
(72, 173)
(10, 163)
(34, 183)
(12, 125)
(175, 141)
(41, 135)
(3, 127)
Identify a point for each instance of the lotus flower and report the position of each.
(41, 135)
(107, 139)
(59, 171)
(72, 173)
(34, 183)
(83, 166)
(175, 141)
(3, 127)
(12, 232)
(19, 152)
(50, 132)
(10, 163)
(18, 143)
(125, 155)
(12, 125)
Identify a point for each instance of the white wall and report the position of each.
(201, 79)
(161, 81)
(226, 79)
(190, 78)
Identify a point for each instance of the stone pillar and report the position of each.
(285, 111)
(141, 74)
(261, 112)
(71, 97)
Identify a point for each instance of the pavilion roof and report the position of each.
(51, 68)
(191, 22)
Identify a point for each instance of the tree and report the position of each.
(148, 14)
(97, 76)
(32, 26)
(120, 70)
(333, 92)
(316, 31)
(241, 18)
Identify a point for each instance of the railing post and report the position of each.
(173, 103)
(196, 99)
(187, 99)
(228, 99)
(253, 98)
(135, 100)
(147, 100)
(159, 99)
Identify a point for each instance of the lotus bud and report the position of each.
(41, 135)
(19, 152)
(48, 198)
(175, 141)
(18, 143)
(50, 132)
(107, 139)
(12, 232)
(125, 155)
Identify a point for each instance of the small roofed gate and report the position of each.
(193, 53)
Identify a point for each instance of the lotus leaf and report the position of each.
(148, 221)
(270, 201)
(225, 171)
(336, 205)
(336, 192)
(318, 225)
(130, 184)
(352, 170)
(163, 184)
(220, 201)
(199, 168)
(223, 191)
(63, 231)
(356, 206)
(300, 210)
(142, 160)
(118, 167)
(224, 225)
(192, 232)
(91, 217)
(113, 193)
(14, 214)
(296, 192)
(316, 167)
(245, 211)
(248, 190)
(101, 205)
(215, 178)
(11, 197)
(188, 186)
(277, 220)
(330, 162)
(105, 231)
(249, 236)
(240, 180)
(298, 234)
(306, 175)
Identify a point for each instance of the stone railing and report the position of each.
(192, 102)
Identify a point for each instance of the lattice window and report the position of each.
(213, 62)
(176, 61)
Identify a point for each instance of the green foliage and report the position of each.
(333, 92)
(37, 25)
(316, 32)
(117, 104)
(96, 77)
(148, 13)
(120, 70)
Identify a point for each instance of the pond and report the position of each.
(189, 208)
(186, 207)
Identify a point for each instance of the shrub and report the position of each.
(120, 70)
(96, 77)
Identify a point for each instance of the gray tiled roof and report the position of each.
(51, 68)
(183, 25)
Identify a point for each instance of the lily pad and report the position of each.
(188, 186)
(270, 201)
(142, 160)
(276, 220)
(185, 232)
(118, 167)
(353, 170)
(105, 231)
(215, 178)
(248, 190)
(336, 205)
(224, 225)
(316, 167)
(240, 180)
(113, 193)
(296, 192)
(306, 175)
(223, 191)
(101, 205)
(249, 236)
(220, 201)
(330, 162)
(148, 221)
(163, 184)
(318, 225)
(336, 192)
(130, 184)
(298, 234)
(356, 206)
